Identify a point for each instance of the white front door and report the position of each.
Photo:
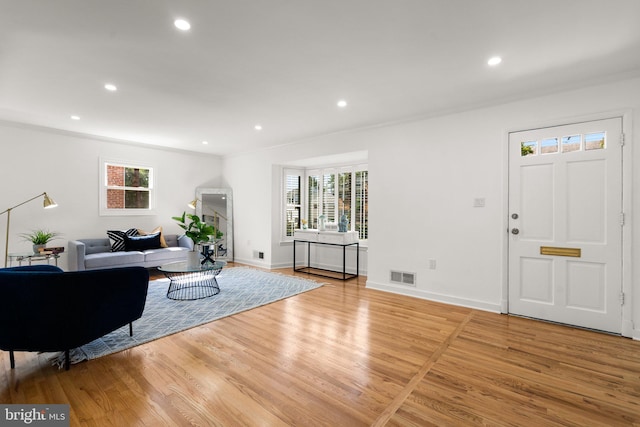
(565, 224)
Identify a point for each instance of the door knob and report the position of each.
(515, 231)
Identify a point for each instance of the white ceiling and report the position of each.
(285, 63)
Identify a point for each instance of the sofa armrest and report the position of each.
(185, 242)
(77, 251)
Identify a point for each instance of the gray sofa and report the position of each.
(94, 254)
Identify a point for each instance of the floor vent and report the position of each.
(403, 278)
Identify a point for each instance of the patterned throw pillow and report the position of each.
(116, 237)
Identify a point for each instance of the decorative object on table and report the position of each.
(54, 250)
(321, 222)
(48, 203)
(198, 231)
(344, 224)
(243, 289)
(207, 253)
(304, 224)
(331, 226)
(39, 238)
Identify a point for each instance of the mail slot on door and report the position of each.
(550, 250)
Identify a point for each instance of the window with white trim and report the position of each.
(126, 188)
(331, 192)
(292, 209)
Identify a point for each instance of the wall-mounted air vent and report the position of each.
(403, 278)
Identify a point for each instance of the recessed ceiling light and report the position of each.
(205, 142)
(182, 24)
(110, 87)
(258, 127)
(342, 103)
(75, 117)
(494, 61)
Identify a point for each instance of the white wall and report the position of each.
(66, 166)
(424, 176)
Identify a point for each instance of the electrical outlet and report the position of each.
(432, 264)
(261, 255)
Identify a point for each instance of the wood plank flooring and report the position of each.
(344, 355)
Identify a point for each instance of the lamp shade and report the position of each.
(193, 203)
(48, 202)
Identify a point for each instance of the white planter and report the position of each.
(193, 259)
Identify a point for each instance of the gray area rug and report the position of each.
(241, 289)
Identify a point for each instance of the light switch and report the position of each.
(478, 202)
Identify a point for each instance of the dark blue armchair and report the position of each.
(45, 309)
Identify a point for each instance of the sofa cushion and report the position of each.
(113, 259)
(94, 246)
(142, 243)
(171, 240)
(158, 229)
(166, 254)
(117, 238)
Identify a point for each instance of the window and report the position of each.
(292, 193)
(313, 201)
(328, 197)
(569, 144)
(361, 203)
(331, 192)
(126, 188)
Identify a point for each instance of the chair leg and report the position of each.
(67, 360)
(12, 359)
(130, 329)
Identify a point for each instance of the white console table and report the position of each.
(332, 238)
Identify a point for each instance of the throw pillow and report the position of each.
(116, 237)
(163, 243)
(142, 243)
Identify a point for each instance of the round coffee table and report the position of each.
(192, 283)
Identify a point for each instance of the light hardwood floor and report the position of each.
(344, 355)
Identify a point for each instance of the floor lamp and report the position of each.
(48, 203)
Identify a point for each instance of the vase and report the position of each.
(344, 223)
(36, 248)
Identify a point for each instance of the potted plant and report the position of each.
(39, 238)
(197, 230)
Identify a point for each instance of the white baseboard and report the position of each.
(635, 334)
(258, 263)
(628, 331)
(447, 299)
(253, 262)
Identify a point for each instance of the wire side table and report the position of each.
(192, 283)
